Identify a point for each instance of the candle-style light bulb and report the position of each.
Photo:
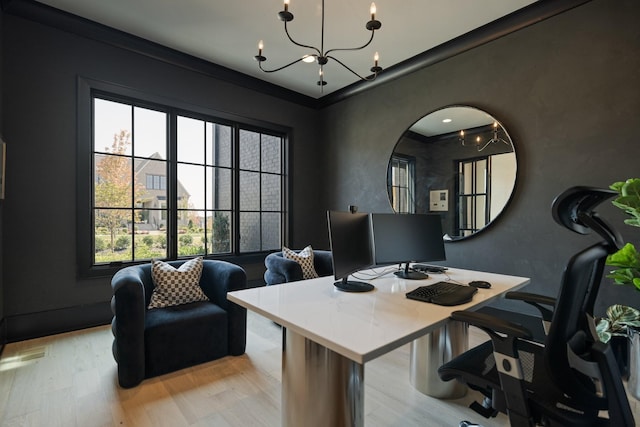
(373, 11)
(260, 47)
(376, 57)
(462, 134)
(286, 5)
(477, 140)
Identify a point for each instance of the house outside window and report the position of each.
(170, 183)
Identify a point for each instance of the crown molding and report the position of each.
(529, 15)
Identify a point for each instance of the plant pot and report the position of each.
(620, 347)
(633, 385)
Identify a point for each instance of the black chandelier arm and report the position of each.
(370, 78)
(299, 44)
(280, 68)
(353, 48)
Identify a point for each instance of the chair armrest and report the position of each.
(219, 278)
(288, 268)
(128, 306)
(323, 262)
(536, 301)
(529, 297)
(491, 324)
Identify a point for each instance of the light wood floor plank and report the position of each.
(70, 380)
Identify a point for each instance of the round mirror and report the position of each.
(459, 162)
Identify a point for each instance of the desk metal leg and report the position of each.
(429, 352)
(319, 386)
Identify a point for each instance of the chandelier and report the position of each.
(322, 56)
(478, 142)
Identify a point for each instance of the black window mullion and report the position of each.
(133, 185)
(206, 188)
(260, 176)
(172, 185)
(235, 190)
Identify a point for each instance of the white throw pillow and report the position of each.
(176, 286)
(305, 259)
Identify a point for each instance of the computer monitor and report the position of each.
(351, 248)
(405, 238)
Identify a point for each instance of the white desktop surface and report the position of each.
(363, 326)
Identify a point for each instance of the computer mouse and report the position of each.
(480, 284)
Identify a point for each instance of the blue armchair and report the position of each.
(152, 342)
(282, 270)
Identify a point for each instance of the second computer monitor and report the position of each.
(405, 238)
(351, 248)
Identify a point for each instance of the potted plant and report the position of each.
(627, 259)
(614, 329)
(623, 321)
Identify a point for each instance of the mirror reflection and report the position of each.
(458, 161)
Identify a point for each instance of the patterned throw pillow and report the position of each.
(176, 286)
(305, 259)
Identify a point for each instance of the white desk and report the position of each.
(330, 334)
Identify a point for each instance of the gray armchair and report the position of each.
(148, 343)
(282, 270)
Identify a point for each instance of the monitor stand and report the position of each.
(353, 286)
(410, 274)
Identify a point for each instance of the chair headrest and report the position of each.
(574, 210)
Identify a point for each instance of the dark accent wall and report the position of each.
(42, 292)
(567, 91)
(3, 330)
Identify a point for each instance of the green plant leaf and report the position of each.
(617, 186)
(602, 328)
(629, 199)
(626, 257)
(623, 315)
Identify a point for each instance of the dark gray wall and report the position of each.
(2, 321)
(41, 68)
(566, 90)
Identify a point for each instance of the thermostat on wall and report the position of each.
(439, 200)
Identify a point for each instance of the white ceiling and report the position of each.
(227, 32)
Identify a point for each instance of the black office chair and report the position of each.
(572, 377)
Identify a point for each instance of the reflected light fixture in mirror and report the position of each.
(459, 162)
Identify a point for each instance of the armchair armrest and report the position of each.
(128, 306)
(218, 278)
(288, 268)
(323, 262)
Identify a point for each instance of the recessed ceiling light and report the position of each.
(446, 121)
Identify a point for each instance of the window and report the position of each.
(401, 185)
(170, 183)
(474, 191)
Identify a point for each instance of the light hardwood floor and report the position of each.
(70, 380)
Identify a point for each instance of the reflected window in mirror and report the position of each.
(459, 151)
(473, 192)
(401, 184)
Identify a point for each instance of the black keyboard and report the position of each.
(443, 293)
